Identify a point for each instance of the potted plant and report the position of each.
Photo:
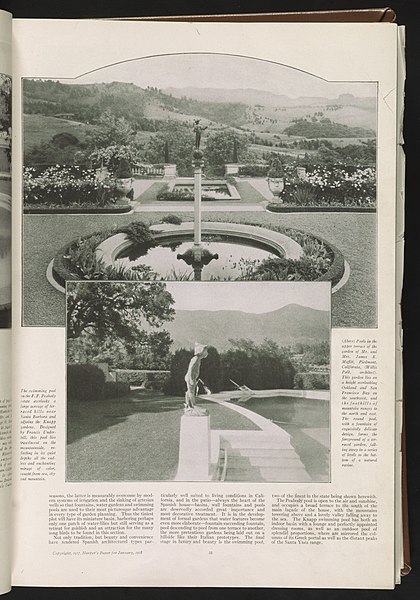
(124, 177)
(275, 177)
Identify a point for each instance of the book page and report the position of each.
(205, 304)
(5, 299)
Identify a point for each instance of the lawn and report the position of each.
(353, 234)
(40, 128)
(135, 438)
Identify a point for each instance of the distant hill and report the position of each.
(150, 109)
(286, 326)
(252, 97)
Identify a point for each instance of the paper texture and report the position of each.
(5, 301)
(225, 492)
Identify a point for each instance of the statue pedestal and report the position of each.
(194, 449)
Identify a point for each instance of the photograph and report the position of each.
(268, 169)
(5, 200)
(198, 381)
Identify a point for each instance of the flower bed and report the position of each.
(77, 210)
(276, 207)
(331, 186)
(59, 186)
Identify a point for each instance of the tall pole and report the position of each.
(197, 203)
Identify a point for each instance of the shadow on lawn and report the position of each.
(86, 418)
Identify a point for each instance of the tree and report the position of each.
(262, 366)
(175, 385)
(220, 148)
(111, 131)
(211, 370)
(107, 308)
(177, 140)
(5, 102)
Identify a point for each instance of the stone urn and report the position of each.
(276, 185)
(275, 179)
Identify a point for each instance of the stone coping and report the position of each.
(303, 394)
(109, 249)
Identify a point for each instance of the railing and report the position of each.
(148, 170)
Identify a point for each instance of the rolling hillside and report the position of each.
(287, 326)
(149, 109)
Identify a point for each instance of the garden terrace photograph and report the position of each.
(269, 169)
(5, 199)
(198, 381)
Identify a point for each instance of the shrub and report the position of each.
(123, 170)
(85, 383)
(253, 170)
(65, 186)
(276, 169)
(116, 389)
(110, 156)
(172, 219)
(312, 381)
(139, 234)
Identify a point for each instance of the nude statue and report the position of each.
(191, 379)
(198, 130)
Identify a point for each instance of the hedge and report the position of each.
(85, 383)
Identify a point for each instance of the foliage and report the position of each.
(85, 383)
(329, 186)
(49, 154)
(219, 149)
(182, 195)
(175, 384)
(172, 219)
(140, 235)
(123, 170)
(81, 259)
(263, 366)
(64, 186)
(258, 366)
(118, 309)
(111, 130)
(146, 350)
(252, 170)
(275, 169)
(5, 102)
(111, 156)
(211, 370)
(324, 127)
(312, 381)
(178, 140)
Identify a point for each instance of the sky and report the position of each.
(248, 296)
(222, 71)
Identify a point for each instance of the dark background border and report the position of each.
(408, 14)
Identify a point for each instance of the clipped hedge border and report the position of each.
(336, 270)
(284, 208)
(78, 211)
(61, 273)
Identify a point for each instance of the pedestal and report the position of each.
(169, 170)
(232, 168)
(194, 449)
